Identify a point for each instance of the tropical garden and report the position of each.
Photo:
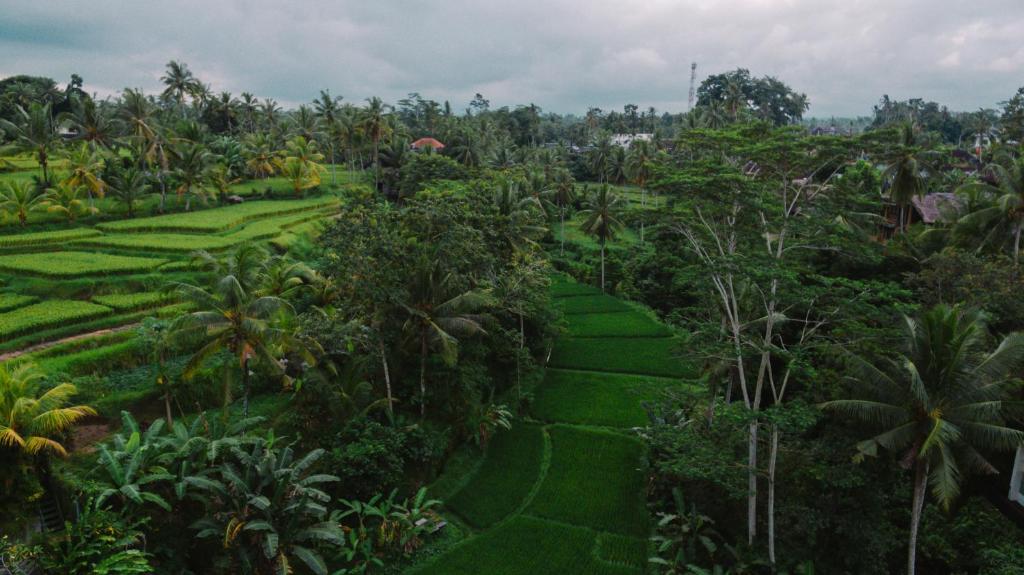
(242, 339)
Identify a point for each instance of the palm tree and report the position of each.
(939, 404)
(218, 177)
(129, 186)
(438, 314)
(261, 158)
(600, 158)
(231, 317)
(179, 83)
(35, 132)
(248, 105)
(638, 166)
(33, 422)
(19, 197)
(519, 215)
(376, 128)
(157, 339)
(85, 165)
(1001, 218)
(66, 199)
(192, 161)
(601, 220)
(562, 194)
(904, 175)
(93, 123)
(713, 116)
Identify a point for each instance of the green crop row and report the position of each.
(9, 301)
(564, 287)
(528, 546)
(71, 264)
(506, 477)
(599, 303)
(593, 481)
(45, 238)
(48, 314)
(218, 219)
(132, 301)
(620, 355)
(629, 324)
(594, 398)
(120, 355)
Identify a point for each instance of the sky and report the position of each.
(562, 55)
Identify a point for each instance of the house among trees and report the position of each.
(928, 210)
(626, 140)
(426, 144)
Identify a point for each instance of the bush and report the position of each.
(424, 168)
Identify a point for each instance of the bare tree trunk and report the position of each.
(1016, 244)
(772, 457)
(920, 482)
(602, 267)
(561, 246)
(245, 387)
(522, 341)
(423, 374)
(387, 379)
(752, 483)
(167, 406)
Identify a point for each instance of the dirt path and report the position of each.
(48, 344)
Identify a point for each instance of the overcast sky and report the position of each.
(562, 55)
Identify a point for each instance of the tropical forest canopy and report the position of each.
(431, 337)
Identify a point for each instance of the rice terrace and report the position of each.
(545, 288)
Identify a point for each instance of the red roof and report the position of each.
(427, 143)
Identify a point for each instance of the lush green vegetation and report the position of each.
(71, 264)
(47, 314)
(594, 398)
(629, 324)
(208, 221)
(132, 301)
(46, 238)
(657, 357)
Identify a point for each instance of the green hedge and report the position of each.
(508, 473)
(71, 264)
(593, 481)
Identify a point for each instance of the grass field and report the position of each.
(628, 324)
(563, 287)
(593, 481)
(528, 546)
(594, 398)
(599, 303)
(71, 264)
(47, 314)
(501, 485)
(217, 220)
(619, 355)
(45, 238)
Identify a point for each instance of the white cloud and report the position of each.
(564, 55)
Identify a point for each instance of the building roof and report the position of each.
(933, 206)
(427, 143)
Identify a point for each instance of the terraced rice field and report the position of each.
(217, 220)
(565, 497)
(72, 264)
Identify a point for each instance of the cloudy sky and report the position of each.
(563, 55)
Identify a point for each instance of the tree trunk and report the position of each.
(920, 482)
(334, 168)
(387, 380)
(602, 267)
(561, 245)
(773, 455)
(752, 484)
(522, 340)
(1016, 244)
(245, 386)
(423, 374)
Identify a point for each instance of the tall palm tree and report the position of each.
(713, 116)
(19, 197)
(32, 422)
(34, 132)
(904, 175)
(66, 199)
(600, 158)
(179, 83)
(601, 220)
(261, 158)
(439, 314)
(129, 186)
(93, 123)
(618, 171)
(520, 213)
(84, 166)
(248, 106)
(939, 404)
(1000, 219)
(562, 194)
(191, 164)
(638, 166)
(375, 126)
(231, 317)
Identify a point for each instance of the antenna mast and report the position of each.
(693, 82)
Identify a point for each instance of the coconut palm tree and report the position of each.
(248, 106)
(93, 123)
(34, 132)
(375, 126)
(638, 166)
(191, 164)
(85, 165)
(601, 220)
(231, 317)
(939, 404)
(904, 175)
(600, 158)
(1000, 219)
(261, 158)
(31, 422)
(520, 214)
(179, 83)
(19, 197)
(562, 194)
(129, 186)
(66, 199)
(439, 314)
